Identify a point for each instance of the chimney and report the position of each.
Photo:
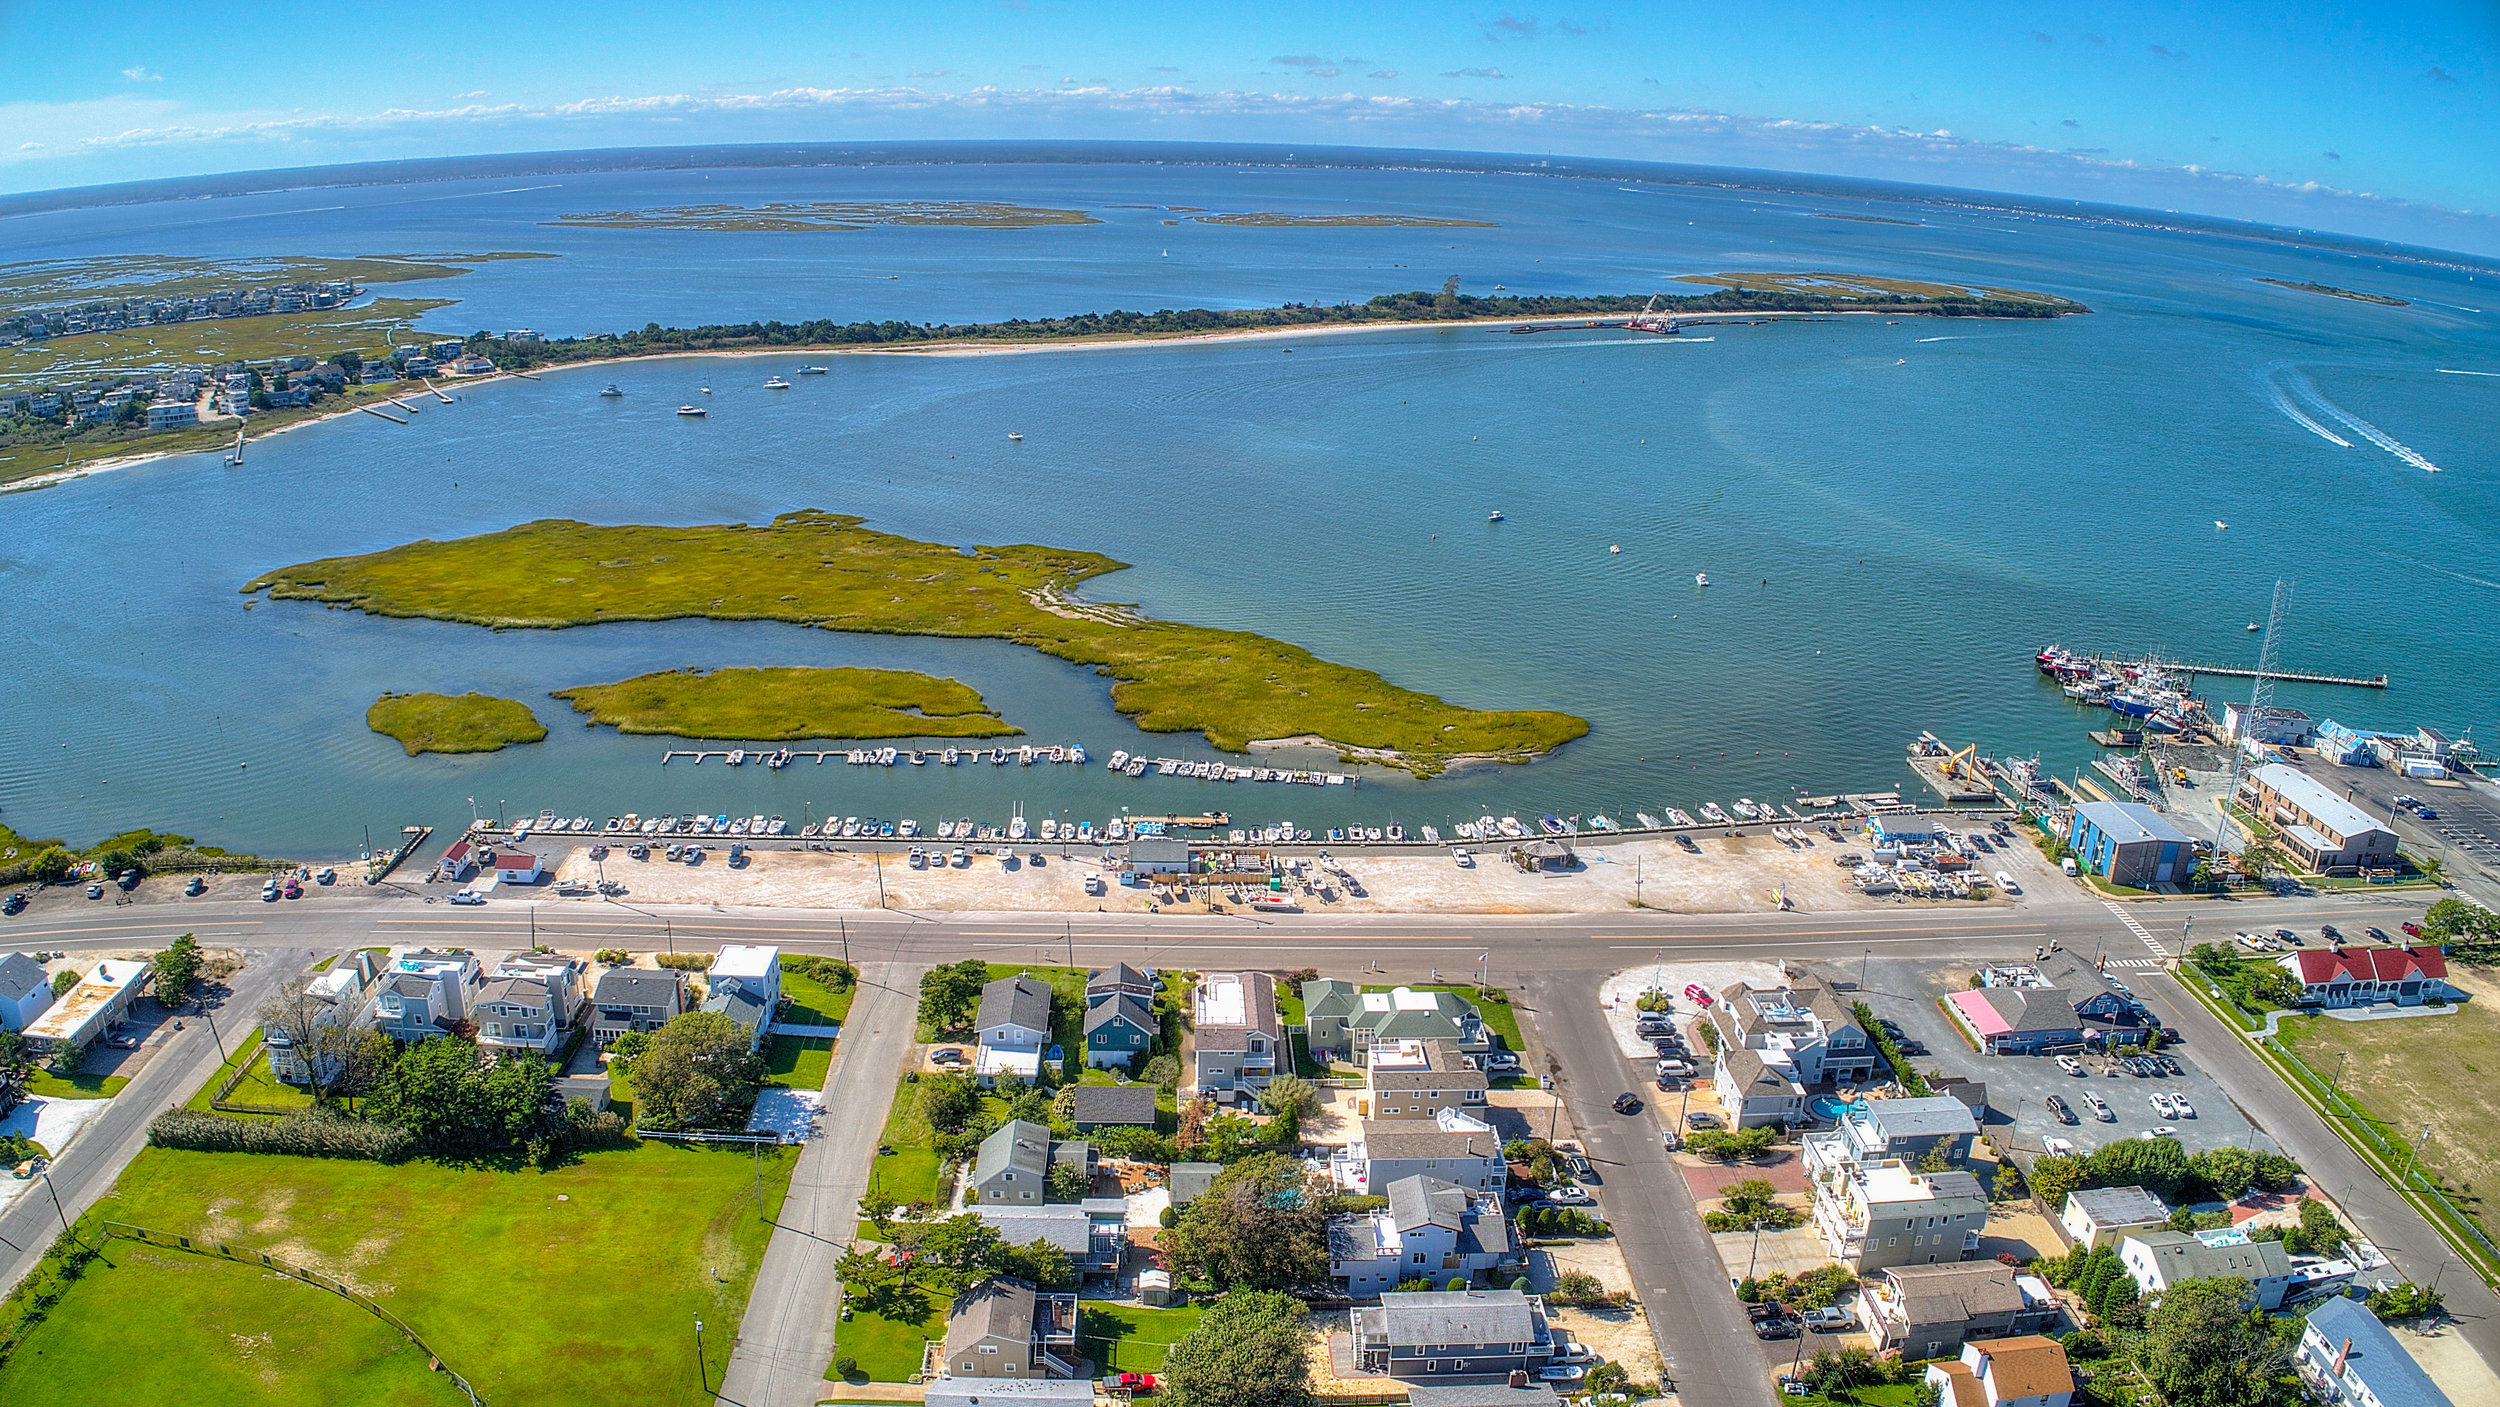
(1518, 1377)
(2340, 1355)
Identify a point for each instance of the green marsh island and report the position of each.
(454, 722)
(782, 705)
(798, 216)
(825, 569)
(2328, 290)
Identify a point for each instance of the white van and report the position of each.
(2006, 882)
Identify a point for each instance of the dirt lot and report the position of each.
(1729, 876)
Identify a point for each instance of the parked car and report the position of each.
(1910, 1047)
(1574, 1351)
(95, 891)
(1130, 1382)
(2059, 1107)
(2413, 930)
(1500, 1062)
(2099, 1107)
(2160, 1100)
(1568, 1196)
(13, 905)
(2379, 933)
(1890, 1027)
(1561, 1373)
(122, 1042)
(947, 1055)
(1699, 994)
(2159, 1131)
(465, 896)
(1829, 1319)
(196, 886)
(2180, 1108)
(2426, 813)
(2070, 1065)
(269, 894)
(1782, 1328)
(1701, 1119)
(2006, 882)
(1627, 1103)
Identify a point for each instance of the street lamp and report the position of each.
(702, 1369)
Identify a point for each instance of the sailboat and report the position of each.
(1701, 578)
(236, 455)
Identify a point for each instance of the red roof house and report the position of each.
(2363, 976)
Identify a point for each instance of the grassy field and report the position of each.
(62, 282)
(45, 1084)
(2443, 1070)
(888, 1351)
(529, 1283)
(216, 1333)
(259, 1087)
(371, 330)
(454, 723)
(779, 705)
(798, 216)
(1128, 1339)
(910, 1173)
(799, 1062)
(812, 1003)
(825, 569)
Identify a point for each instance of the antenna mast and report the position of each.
(2260, 691)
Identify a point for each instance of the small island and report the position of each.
(787, 217)
(454, 722)
(1283, 220)
(825, 569)
(784, 705)
(2329, 290)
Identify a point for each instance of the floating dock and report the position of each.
(1957, 776)
(410, 837)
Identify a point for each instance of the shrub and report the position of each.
(613, 957)
(685, 962)
(834, 973)
(305, 1134)
(1575, 1289)
(846, 1367)
(2405, 1301)
(1607, 1377)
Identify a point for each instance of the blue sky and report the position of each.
(2370, 119)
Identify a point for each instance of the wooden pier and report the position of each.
(2283, 676)
(410, 837)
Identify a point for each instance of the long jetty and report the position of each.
(2376, 681)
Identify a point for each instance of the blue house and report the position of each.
(2130, 844)
(2346, 747)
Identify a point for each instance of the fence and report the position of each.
(217, 1250)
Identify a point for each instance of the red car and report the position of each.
(2413, 930)
(1700, 994)
(1130, 1382)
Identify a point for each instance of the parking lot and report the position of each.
(2019, 1085)
(2466, 829)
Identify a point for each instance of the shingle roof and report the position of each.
(992, 1309)
(1952, 1294)
(1401, 1139)
(2182, 1256)
(1022, 1001)
(1427, 1201)
(2031, 1008)
(20, 975)
(1112, 1104)
(2025, 1366)
(1019, 1144)
(1063, 1226)
(1118, 975)
(1485, 1395)
(1120, 1008)
(2376, 1358)
(1457, 1317)
(1189, 1181)
(2371, 964)
(744, 1006)
(638, 986)
(512, 991)
(1922, 1118)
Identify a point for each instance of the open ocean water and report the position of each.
(1894, 516)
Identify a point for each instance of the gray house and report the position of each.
(1013, 1026)
(1094, 1236)
(1118, 1029)
(1189, 1181)
(1239, 1036)
(1120, 980)
(1431, 1230)
(634, 999)
(1111, 1106)
(1013, 1165)
(1453, 1334)
(1007, 1329)
(25, 990)
(1927, 1311)
(1340, 1017)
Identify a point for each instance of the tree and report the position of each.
(294, 1017)
(699, 1071)
(63, 980)
(1290, 1094)
(1258, 1225)
(963, 1250)
(443, 1091)
(2224, 1173)
(1066, 1182)
(2158, 1165)
(1044, 1264)
(2274, 987)
(1163, 1071)
(949, 1102)
(949, 994)
(1251, 1350)
(2053, 1175)
(1576, 1288)
(2205, 1346)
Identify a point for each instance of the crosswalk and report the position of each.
(2120, 912)
(2135, 964)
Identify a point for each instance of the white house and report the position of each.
(1878, 1215)
(2157, 1260)
(2349, 1359)
(1431, 1230)
(2098, 1216)
(25, 990)
(337, 998)
(744, 984)
(516, 867)
(1013, 1025)
(2029, 1371)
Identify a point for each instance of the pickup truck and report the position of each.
(1827, 1320)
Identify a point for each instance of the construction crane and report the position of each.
(1961, 764)
(1650, 319)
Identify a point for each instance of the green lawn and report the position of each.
(216, 1333)
(1289, 1007)
(910, 1173)
(530, 1283)
(51, 1086)
(887, 1351)
(1125, 1339)
(798, 1062)
(812, 1003)
(258, 1087)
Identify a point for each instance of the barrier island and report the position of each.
(454, 722)
(825, 569)
(783, 705)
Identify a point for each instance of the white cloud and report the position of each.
(142, 75)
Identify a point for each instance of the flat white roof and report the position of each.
(1221, 1001)
(2312, 796)
(746, 960)
(70, 1018)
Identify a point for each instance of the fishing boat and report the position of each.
(1701, 578)
(1679, 818)
(1119, 760)
(910, 828)
(1552, 823)
(1076, 753)
(1115, 829)
(1510, 828)
(1016, 435)
(737, 757)
(610, 390)
(1016, 829)
(1745, 807)
(951, 756)
(1084, 832)
(1710, 812)
(776, 384)
(1495, 516)
(1050, 828)
(1648, 821)
(1397, 832)
(1599, 822)
(692, 412)
(1432, 835)
(776, 826)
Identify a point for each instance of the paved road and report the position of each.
(89, 1166)
(785, 1343)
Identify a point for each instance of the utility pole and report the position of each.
(56, 1200)
(702, 1369)
(1070, 930)
(2414, 1159)
(846, 937)
(1864, 954)
(211, 1017)
(879, 856)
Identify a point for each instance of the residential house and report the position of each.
(339, 998)
(2099, 1216)
(2028, 1371)
(1753, 1091)
(1093, 1107)
(2017, 1020)
(2157, 1260)
(1453, 1148)
(2347, 1358)
(631, 999)
(1119, 1029)
(2406, 976)
(1013, 1025)
(1007, 1329)
(89, 1009)
(1093, 1235)
(1927, 1311)
(457, 862)
(2323, 833)
(25, 990)
(1189, 1181)
(1431, 1230)
(1801, 1030)
(1010, 1392)
(1012, 1166)
(1239, 1034)
(425, 992)
(1419, 1079)
(1906, 1130)
(1343, 1021)
(1453, 1334)
(744, 984)
(1482, 1395)
(1883, 1214)
(1120, 980)
(528, 1003)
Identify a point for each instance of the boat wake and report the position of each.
(2299, 386)
(1949, 337)
(2283, 403)
(2452, 371)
